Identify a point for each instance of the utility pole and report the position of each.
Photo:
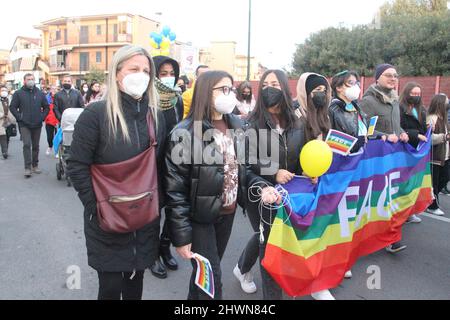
(249, 37)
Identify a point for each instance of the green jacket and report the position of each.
(386, 106)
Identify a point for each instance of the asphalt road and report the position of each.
(41, 236)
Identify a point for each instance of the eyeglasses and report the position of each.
(351, 84)
(226, 90)
(391, 76)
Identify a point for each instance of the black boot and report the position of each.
(166, 255)
(158, 269)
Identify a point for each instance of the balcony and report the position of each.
(59, 68)
(55, 43)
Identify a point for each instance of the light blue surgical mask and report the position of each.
(168, 82)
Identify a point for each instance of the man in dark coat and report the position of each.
(67, 98)
(30, 107)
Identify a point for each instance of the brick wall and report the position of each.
(431, 86)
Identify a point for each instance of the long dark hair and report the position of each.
(244, 85)
(90, 92)
(438, 107)
(202, 100)
(340, 79)
(317, 121)
(261, 113)
(406, 93)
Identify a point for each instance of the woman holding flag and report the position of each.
(344, 112)
(279, 129)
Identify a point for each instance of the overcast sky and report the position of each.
(277, 24)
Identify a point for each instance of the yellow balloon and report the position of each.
(165, 44)
(153, 44)
(156, 52)
(316, 158)
(165, 52)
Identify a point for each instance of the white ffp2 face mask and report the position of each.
(353, 93)
(4, 94)
(226, 104)
(168, 82)
(135, 84)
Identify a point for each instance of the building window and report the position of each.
(84, 61)
(58, 35)
(98, 57)
(84, 34)
(115, 32)
(99, 30)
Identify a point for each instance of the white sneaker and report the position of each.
(348, 274)
(324, 295)
(414, 219)
(437, 212)
(246, 280)
(49, 150)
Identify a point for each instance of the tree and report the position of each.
(416, 46)
(416, 8)
(95, 74)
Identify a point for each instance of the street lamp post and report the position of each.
(249, 37)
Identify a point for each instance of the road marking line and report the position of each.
(436, 217)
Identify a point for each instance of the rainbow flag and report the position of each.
(357, 208)
(204, 278)
(341, 143)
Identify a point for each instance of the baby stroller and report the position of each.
(68, 120)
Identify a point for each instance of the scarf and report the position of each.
(168, 97)
(388, 96)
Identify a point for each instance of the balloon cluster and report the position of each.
(161, 42)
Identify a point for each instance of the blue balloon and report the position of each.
(166, 31)
(172, 36)
(158, 38)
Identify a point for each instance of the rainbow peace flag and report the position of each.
(357, 208)
(341, 143)
(204, 278)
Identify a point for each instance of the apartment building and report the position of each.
(76, 45)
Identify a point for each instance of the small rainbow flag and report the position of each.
(372, 125)
(341, 143)
(204, 278)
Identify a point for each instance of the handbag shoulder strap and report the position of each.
(151, 128)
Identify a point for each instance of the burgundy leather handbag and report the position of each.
(127, 192)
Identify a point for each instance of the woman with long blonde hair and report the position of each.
(123, 128)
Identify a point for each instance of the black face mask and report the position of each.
(272, 96)
(319, 99)
(414, 100)
(183, 88)
(67, 86)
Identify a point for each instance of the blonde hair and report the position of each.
(114, 111)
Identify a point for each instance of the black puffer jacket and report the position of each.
(347, 122)
(413, 126)
(29, 107)
(91, 144)
(194, 189)
(67, 99)
(290, 144)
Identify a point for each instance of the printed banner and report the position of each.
(357, 208)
